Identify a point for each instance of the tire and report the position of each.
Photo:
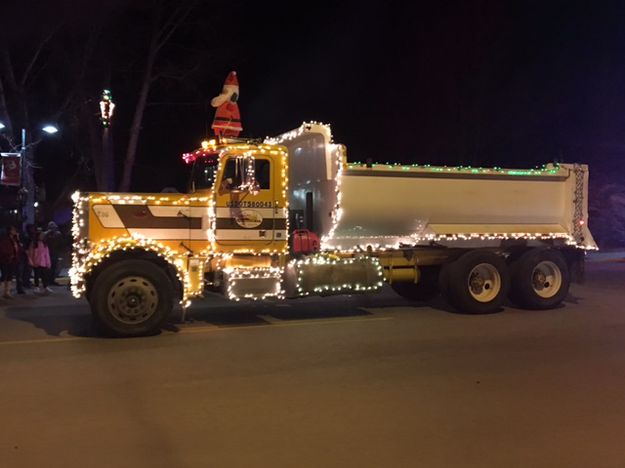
(131, 298)
(476, 283)
(540, 279)
(424, 290)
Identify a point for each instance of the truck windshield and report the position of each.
(203, 173)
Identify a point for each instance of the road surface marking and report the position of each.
(44, 340)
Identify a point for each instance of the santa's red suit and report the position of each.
(227, 121)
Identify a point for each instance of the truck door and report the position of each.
(245, 195)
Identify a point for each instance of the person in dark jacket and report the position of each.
(10, 254)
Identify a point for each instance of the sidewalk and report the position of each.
(60, 294)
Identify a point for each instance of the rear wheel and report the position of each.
(476, 283)
(540, 279)
(424, 290)
(131, 298)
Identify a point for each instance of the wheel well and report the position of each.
(575, 261)
(135, 254)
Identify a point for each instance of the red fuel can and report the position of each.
(305, 241)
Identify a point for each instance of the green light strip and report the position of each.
(473, 170)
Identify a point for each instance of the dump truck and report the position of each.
(289, 217)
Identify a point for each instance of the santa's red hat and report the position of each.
(231, 79)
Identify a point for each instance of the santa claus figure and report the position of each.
(227, 121)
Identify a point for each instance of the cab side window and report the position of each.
(262, 174)
(234, 177)
(232, 171)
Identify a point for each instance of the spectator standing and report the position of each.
(10, 252)
(54, 240)
(27, 273)
(39, 258)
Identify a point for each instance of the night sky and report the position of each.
(481, 83)
(474, 83)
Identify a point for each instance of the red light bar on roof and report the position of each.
(199, 153)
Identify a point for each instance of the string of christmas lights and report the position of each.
(239, 274)
(334, 259)
(546, 170)
(88, 254)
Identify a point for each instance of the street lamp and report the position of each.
(50, 129)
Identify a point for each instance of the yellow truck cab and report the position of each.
(236, 215)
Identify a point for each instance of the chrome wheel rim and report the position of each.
(484, 282)
(132, 300)
(546, 279)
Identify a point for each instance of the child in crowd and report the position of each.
(39, 259)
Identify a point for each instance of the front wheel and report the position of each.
(131, 298)
(540, 279)
(476, 283)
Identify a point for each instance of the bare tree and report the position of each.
(18, 86)
(26, 72)
(5, 117)
(163, 27)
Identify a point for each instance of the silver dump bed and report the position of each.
(386, 206)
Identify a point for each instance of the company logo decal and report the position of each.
(249, 219)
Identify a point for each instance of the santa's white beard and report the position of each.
(226, 94)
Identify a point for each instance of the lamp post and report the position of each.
(107, 107)
(28, 182)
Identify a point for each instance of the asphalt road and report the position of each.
(337, 382)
